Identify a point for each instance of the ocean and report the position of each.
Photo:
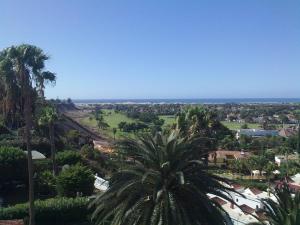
(190, 101)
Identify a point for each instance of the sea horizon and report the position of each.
(189, 101)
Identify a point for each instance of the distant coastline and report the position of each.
(191, 101)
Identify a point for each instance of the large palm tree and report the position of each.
(160, 183)
(48, 117)
(284, 211)
(26, 62)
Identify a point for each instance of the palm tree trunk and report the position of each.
(28, 122)
(52, 143)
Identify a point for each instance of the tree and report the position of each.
(284, 211)
(245, 126)
(48, 117)
(161, 183)
(204, 123)
(114, 130)
(25, 62)
(101, 123)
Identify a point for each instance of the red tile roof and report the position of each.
(228, 154)
(247, 209)
(11, 222)
(218, 200)
(255, 191)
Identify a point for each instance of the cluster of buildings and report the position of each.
(284, 132)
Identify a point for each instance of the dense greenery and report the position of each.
(12, 164)
(75, 180)
(69, 157)
(51, 211)
(163, 181)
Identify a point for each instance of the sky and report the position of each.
(105, 49)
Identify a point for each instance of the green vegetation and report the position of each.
(113, 119)
(12, 164)
(51, 211)
(75, 180)
(68, 157)
(169, 120)
(237, 125)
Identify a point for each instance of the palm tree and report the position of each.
(26, 62)
(204, 123)
(48, 117)
(161, 184)
(42, 78)
(284, 211)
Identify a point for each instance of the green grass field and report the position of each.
(237, 125)
(169, 120)
(112, 119)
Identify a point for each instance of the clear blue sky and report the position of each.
(160, 48)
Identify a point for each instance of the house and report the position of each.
(221, 157)
(280, 159)
(288, 132)
(256, 133)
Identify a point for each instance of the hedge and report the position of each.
(13, 164)
(75, 179)
(51, 211)
(68, 157)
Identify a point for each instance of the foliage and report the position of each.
(76, 179)
(132, 127)
(51, 211)
(42, 165)
(22, 70)
(46, 182)
(69, 157)
(13, 164)
(252, 184)
(40, 144)
(73, 136)
(162, 182)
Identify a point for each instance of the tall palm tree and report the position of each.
(48, 117)
(26, 62)
(41, 78)
(161, 183)
(284, 211)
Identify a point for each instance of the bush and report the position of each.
(40, 144)
(88, 152)
(46, 183)
(68, 157)
(13, 164)
(76, 179)
(51, 211)
(42, 165)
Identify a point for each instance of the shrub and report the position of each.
(40, 144)
(68, 157)
(76, 179)
(88, 152)
(46, 182)
(51, 211)
(42, 165)
(12, 164)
